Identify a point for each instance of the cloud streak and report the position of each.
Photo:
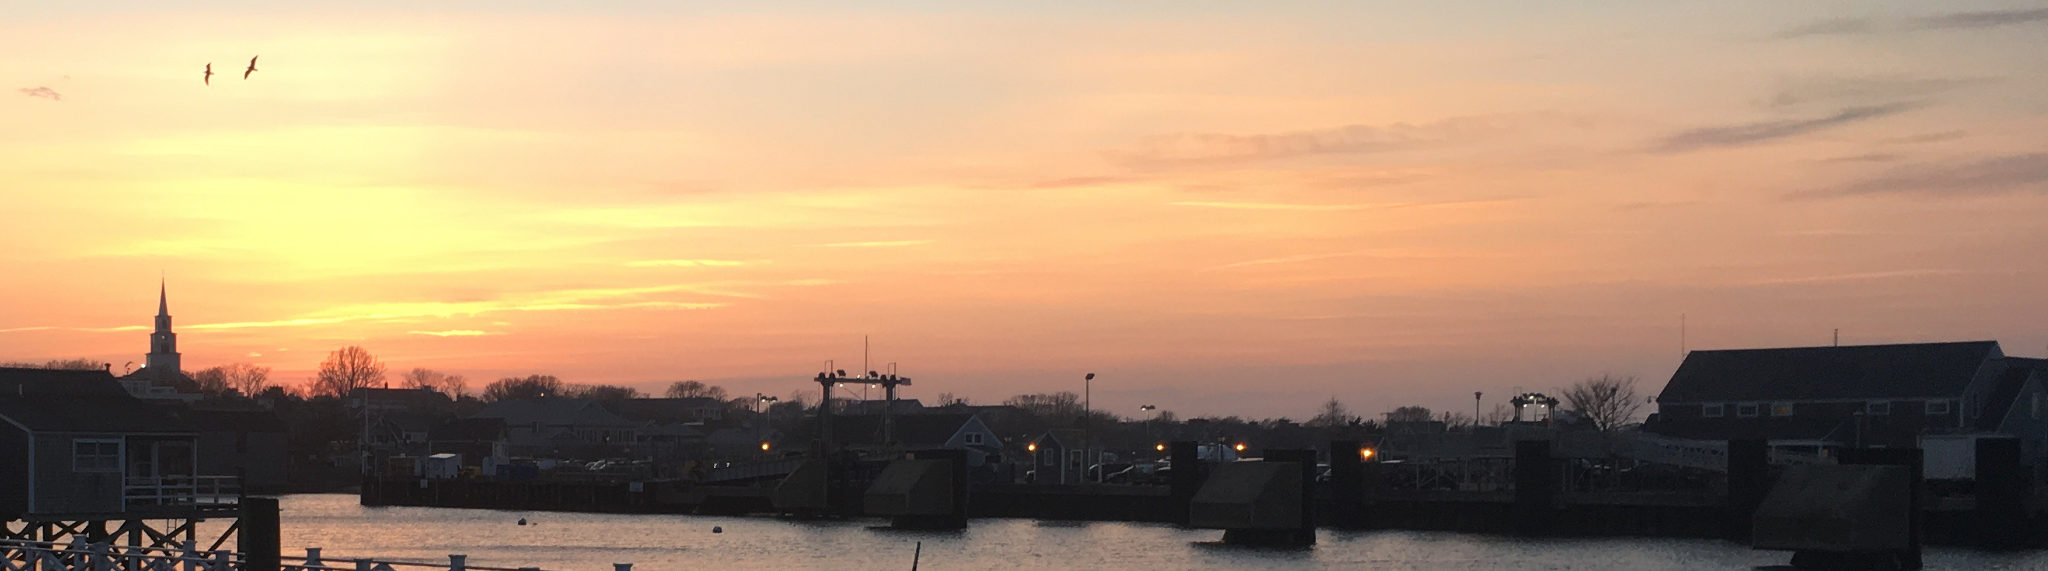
(1299, 207)
(880, 244)
(693, 263)
(1348, 139)
(1766, 131)
(1940, 22)
(451, 333)
(2010, 173)
(43, 92)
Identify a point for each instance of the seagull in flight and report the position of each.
(209, 74)
(252, 68)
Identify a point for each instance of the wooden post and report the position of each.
(1347, 483)
(2001, 487)
(1749, 479)
(1535, 487)
(260, 537)
(1185, 480)
(458, 562)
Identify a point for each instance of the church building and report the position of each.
(162, 376)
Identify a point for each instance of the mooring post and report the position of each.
(622, 567)
(1185, 479)
(1305, 534)
(258, 535)
(1915, 462)
(2001, 487)
(1347, 483)
(1749, 480)
(1535, 487)
(313, 557)
(362, 565)
(458, 562)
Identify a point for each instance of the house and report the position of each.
(386, 400)
(74, 443)
(567, 428)
(481, 442)
(1869, 395)
(923, 432)
(250, 444)
(1057, 457)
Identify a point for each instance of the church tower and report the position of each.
(163, 344)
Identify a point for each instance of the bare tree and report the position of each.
(603, 392)
(695, 389)
(1333, 415)
(347, 369)
(1062, 407)
(212, 381)
(527, 387)
(428, 379)
(1608, 401)
(1411, 414)
(80, 364)
(1499, 415)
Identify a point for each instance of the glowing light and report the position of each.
(764, 447)
(1365, 453)
(1032, 447)
(1159, 447)
(1240, 447)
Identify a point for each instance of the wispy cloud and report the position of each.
(2011, 173)
(451, 333)
(1939, 22)
(1986, 19)
(1348, 139)
(43, 92)
(1299, 207)
(880, 244)
(1764, 131)
(1297, 258)
(693, 263)
(1857, 276)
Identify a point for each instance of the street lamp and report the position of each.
(1088, 424)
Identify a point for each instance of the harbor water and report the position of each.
(593, 542)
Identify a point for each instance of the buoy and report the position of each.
(522, 521)
(717, 529)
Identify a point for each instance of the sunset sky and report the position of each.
(1218, 207)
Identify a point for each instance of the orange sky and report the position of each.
(1217, 208)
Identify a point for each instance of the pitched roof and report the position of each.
(2007, 389)
(52, 400)
(664, 410)
(1918, 370)
(469, 430)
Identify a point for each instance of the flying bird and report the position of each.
(209, 74)
(252, 68)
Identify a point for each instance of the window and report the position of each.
(1746, 410)
(1714, 410)
(1781, 409)
(1937, 407)
(95, 455)
(972, 438)
(1877, 408)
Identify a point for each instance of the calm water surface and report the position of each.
(592, 542)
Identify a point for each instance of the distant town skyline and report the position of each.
(1217, 208)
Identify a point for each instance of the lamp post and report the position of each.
(1087, 424)
(763, 404)
(1475, 410)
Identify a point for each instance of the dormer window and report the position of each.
(1937, 407)
(1715, 410)
(1746, 410)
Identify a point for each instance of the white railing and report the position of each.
(18, 555)
(182, 490)
(79, 555)
(314, 561)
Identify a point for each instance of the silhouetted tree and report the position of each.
(527, 387)
(454, 386)
(347, 369)
(603, 392)
(80, 364)
(1607, 401)
(1062, 407)
(1411, 414)
(212, 381)
(695, 389)
(1333, 415)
